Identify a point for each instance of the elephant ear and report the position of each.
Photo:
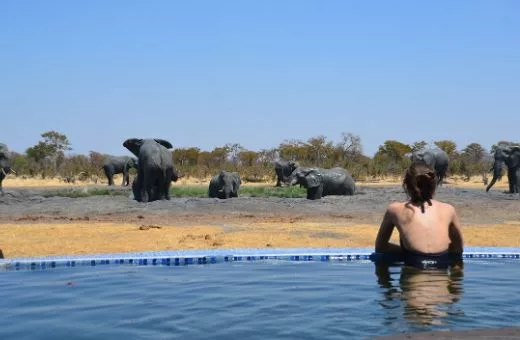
(313, 179)
(133, 145)
(164, 143)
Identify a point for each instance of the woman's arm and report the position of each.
(383, 236)
(456, 244)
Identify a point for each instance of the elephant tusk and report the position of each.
(3, 172)
(14, 172)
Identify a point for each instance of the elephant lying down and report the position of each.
(224, 185)
(322, 182)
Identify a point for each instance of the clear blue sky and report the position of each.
(207, 73)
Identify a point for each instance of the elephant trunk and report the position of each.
(292, 180)
(225, 192)
(497, 173)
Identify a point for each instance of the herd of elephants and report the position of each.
(155, 171)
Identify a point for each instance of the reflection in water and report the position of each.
(426, 295)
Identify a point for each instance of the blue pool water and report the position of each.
(260, 300)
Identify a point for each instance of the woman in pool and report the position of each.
(429, 230)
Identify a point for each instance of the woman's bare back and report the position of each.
(425, 232)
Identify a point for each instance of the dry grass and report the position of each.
(453, 181)
(87, 238)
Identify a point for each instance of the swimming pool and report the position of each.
(255, 299)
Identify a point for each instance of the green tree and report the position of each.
(293, 150)
(186, 157)
(49, 153)
(474, 160)
(57, 141)
(447, 146)
(320, 151)
(474, 152)
(390, 158)
(248, 158)
(234, 151)
(394, 149)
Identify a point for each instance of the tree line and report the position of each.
(49, 158)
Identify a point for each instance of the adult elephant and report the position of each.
(155, 187)
(155, 170)
(119, 165)
(509, 156)
(283, 170)
(322, 182)
(5, 165)
(224, 185)
(436, 159)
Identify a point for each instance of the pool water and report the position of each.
(260, 300)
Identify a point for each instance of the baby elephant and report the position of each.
(322, 182)
(224, 185)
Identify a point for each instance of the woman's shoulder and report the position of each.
(395, 206)
(446, 207)
(443, 204)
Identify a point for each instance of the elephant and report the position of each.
(155, 168)
(155, 188)
(322, 182)
(5, 165)
(436, 159)
(283, 170)
(224, 185)
(116, 165)
(510, 156)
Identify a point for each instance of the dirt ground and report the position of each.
(32, 225)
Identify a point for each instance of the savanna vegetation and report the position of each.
(53, 157)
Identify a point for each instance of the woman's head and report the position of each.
(420, 183)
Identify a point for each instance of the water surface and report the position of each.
(275, 299)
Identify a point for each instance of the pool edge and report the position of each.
(211, 256)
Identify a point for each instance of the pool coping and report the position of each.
(211, 256)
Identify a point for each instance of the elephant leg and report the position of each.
(110, 177)
(125, 179)
(146, 189)
(315, 193)
(516, 182)
(511, 181)
(166, 189)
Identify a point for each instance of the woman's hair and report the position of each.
(420, 183)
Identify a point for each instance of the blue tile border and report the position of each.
(204, 257)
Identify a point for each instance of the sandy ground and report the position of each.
(18, 182)
(32, 225)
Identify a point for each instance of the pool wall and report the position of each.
(191, 257)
